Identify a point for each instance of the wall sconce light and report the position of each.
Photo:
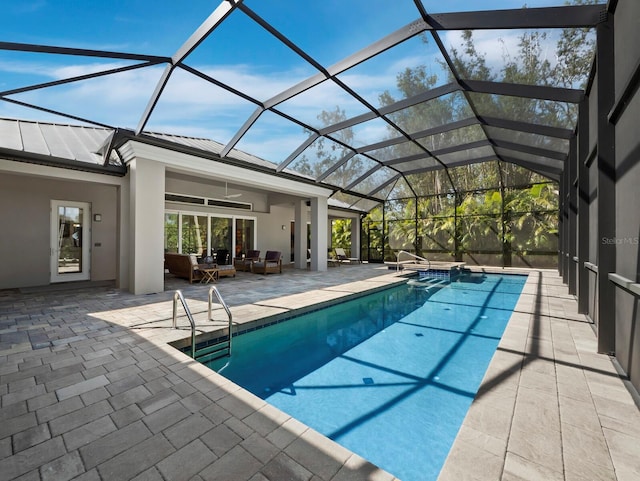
(284, 227)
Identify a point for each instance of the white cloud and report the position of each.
(371, 132)
(488, 43)
(498, 45)
(193, 107)
(274, 148)
(69, 71)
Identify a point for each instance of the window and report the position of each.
(171, 232)
(205, 234)
(194, 233)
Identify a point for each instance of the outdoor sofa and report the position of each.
(186, 266)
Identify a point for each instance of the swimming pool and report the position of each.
(391, 375)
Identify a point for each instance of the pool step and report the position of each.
(212, 352)
(429, 284)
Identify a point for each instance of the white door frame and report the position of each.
(85, 273)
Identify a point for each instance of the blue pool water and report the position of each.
(390, 375)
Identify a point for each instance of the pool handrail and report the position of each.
(178, 295)
(214, 289)
(412, 255)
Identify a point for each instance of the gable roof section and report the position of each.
(68, 146)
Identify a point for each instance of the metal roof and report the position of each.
(367, 143)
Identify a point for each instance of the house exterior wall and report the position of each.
(269, 219)
(181, 185)
(119, 239)
(270, 234)
(25, 252)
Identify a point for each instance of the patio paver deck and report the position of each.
(90, 390)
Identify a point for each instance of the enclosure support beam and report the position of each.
(583, 207)
(522, 18)
(565, 224)
(385, 239)
(505, 218)
(562, 227)
(418, 239)
(572, 169)
(606, 328)
(456, 230)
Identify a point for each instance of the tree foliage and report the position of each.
(494, 206)
(325, 153)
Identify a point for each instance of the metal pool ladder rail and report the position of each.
(221, 348)
(178, 295)
(211, 351)
(412, 255)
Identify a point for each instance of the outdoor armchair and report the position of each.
(244, 263)
(272, 263)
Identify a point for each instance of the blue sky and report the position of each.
(238, 53)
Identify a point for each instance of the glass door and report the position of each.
(70, 241)
(245, 236)
(194, 234)
(221, 237)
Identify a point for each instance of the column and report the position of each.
(319, 227)
(300, 234)
(355, 238)
(122, 281)
(146, 226)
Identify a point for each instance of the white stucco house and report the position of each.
(116, 197)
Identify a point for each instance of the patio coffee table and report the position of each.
(209, 274)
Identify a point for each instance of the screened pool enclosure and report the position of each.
(448, 132)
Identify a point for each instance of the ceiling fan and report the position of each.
(227, 195)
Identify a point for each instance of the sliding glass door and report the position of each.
(171, 232)
(194, 234)
(245, 236)
(209, 234)
(221, 228)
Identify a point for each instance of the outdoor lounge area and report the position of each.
(188, 267)
(177, 178)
